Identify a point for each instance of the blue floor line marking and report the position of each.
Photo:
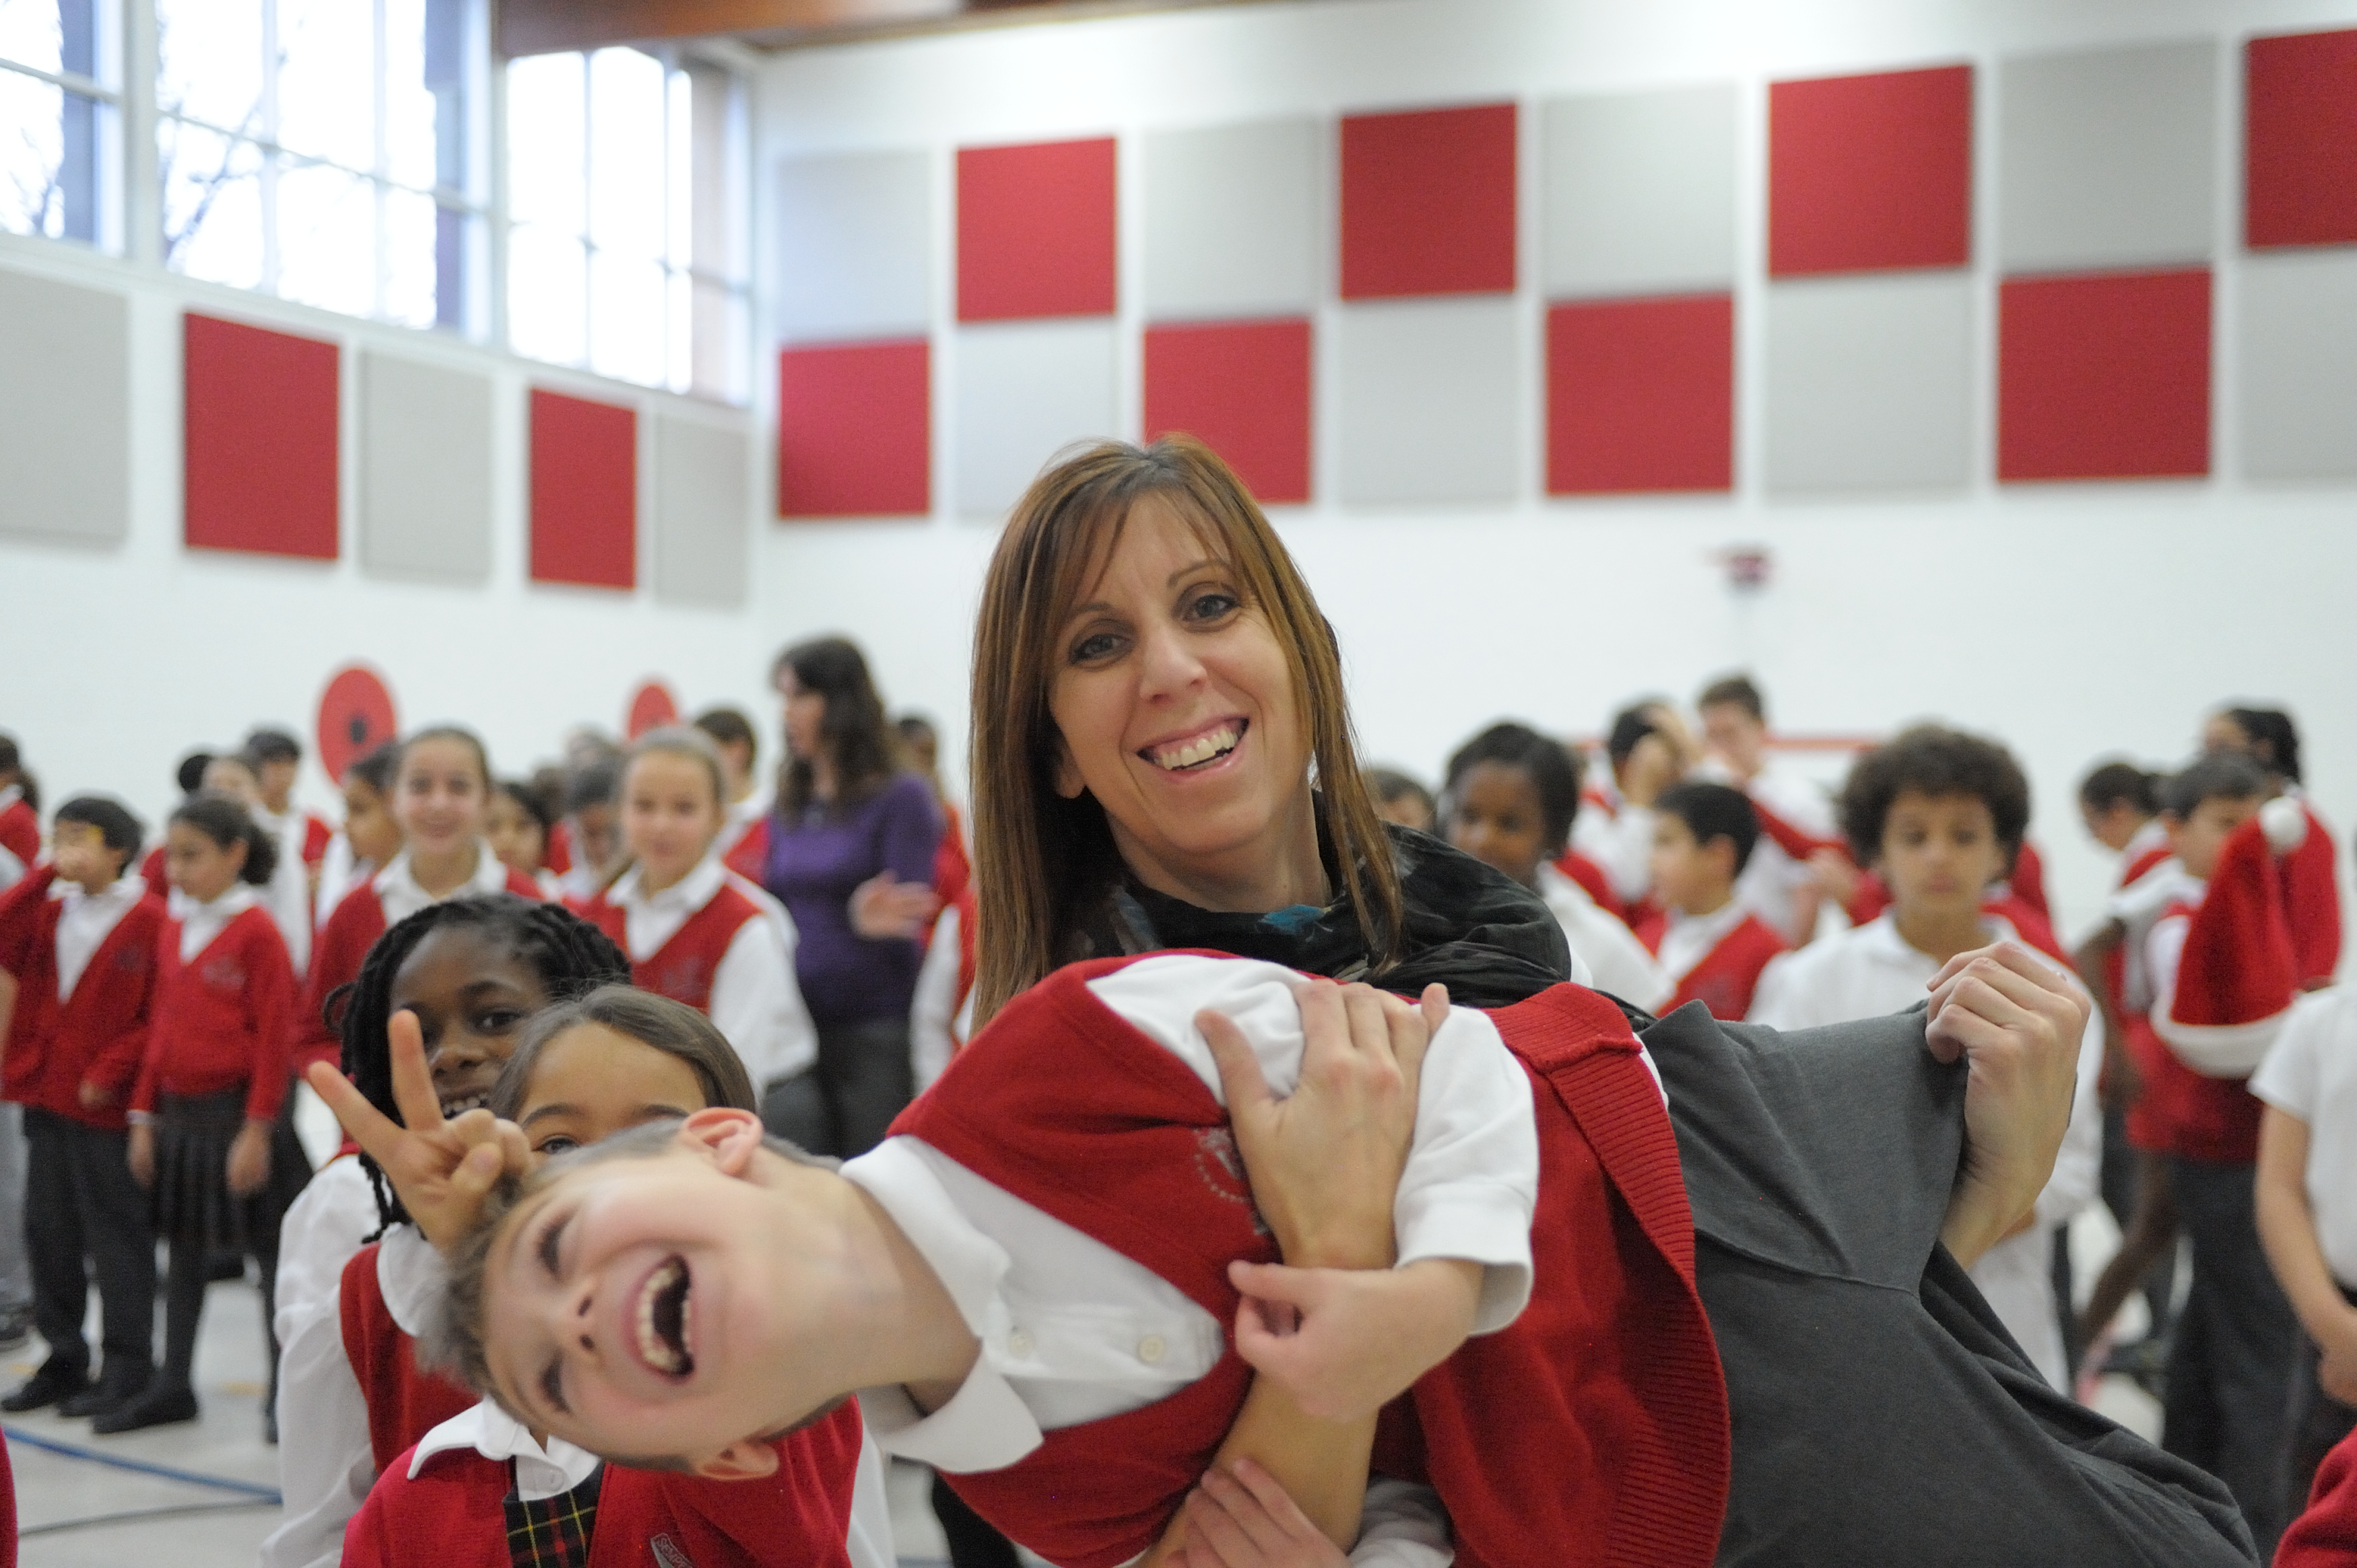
(194, 1479)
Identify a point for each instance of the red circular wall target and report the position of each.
(356, 716)
(652, 706)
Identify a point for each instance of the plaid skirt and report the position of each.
(191, 1197)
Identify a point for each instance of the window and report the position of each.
(328, 151)
(59, 116)
(624, 193)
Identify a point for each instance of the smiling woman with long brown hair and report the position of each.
(1163, 758)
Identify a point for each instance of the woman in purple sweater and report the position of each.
(851, 857)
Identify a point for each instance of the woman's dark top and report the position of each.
(1881, 1413)
(815, 865)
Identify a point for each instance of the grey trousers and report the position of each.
(2235, 1351)
(842, 1106)
(16, 1263)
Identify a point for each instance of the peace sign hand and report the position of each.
(442, 1170)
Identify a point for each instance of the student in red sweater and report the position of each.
(441, 795)
(2311, 893)
(212, 1081)
(78, 936)
(2224, 969)
(20, 820)
(745, 841)
(584, 1070)
(1712, 947)
(459, 980)
(696, 931)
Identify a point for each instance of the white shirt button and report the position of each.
(1150, 1349)
(1019, 1343)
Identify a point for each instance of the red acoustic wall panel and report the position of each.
(855, 430)
(585, 491)
(1868, 173)
(259, 450)
(2300, 140)
(1640, 395)
(2103, 377)
(1428, 202)
(1244, 388)
(1035, 231)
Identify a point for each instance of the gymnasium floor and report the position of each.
(193, 1496)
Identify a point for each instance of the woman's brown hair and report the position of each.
(864, 748)
(1044, 864)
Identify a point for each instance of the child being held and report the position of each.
(584, 1070)
(1939, 815)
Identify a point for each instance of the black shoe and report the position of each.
(53, 1384)
(161, 1406)
(109, 1392)
(16, 1327)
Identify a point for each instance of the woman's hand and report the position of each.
(1247, 1520)
(441, 1170)
(883, 907)
(249, 1159)
(1325, 1162)
(140, 1154)
(1343, 1343)
(2018, 1020)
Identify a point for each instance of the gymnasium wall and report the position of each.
(217, 509)
(1530, 323)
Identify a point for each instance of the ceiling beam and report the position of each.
(549, 26)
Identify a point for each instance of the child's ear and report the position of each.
(731, 1137)
(748, 1460)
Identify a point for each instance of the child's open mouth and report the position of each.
(662, 1320)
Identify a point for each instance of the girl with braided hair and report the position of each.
(460, 978)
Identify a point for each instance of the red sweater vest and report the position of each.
(2312, 903)
(336, 957)
(451, 1514)
(1592, 881)
(1593, 1428)
(682, 968)
(99, 1035)
(2193, 1115)
(748, 857)
(404, 1403)
(222, 1019)
(20, 832)
(1724, 980)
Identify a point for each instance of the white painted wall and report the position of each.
(2073, 621)
(114, 662)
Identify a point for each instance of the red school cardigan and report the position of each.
(1594, 1428)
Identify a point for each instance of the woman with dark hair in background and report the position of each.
(851, 850)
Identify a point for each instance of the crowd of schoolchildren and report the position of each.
(161, 995)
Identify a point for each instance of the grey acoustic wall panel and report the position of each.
(1639, 191)
(425, 471)
(65, 401)
(1427, 408)
(1869, 383)
(1024, 391)
(703, 509)
(1233, 218)
(2106, 158)
(2299, 366)
(855, 246)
